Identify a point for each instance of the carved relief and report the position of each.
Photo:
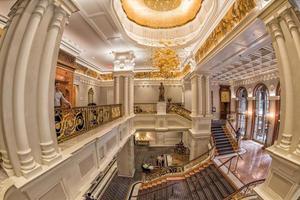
(235, 15)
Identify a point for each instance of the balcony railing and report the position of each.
(78, 120)
(179, 110)
(145, 108)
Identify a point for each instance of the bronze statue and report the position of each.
(161, 92)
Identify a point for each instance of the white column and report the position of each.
(200, 96)
(294, 30)
(131, 95)
(125, 159)
(279, 40)
(117, 89)
(27, 161)
(126, 96)
(49, 153)
(207, 96)
(194, 85)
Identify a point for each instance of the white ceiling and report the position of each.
(96, 30)
(249, 54)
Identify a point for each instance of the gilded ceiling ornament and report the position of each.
(235, 15)
(161, 14)
(162, 5)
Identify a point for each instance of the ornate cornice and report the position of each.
(239, 10)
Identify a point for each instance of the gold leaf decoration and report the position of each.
(235, 15)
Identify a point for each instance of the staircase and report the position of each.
(206, 183)
(223, 141)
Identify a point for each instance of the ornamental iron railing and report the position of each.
(78, 120)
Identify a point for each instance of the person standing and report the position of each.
(59, 98)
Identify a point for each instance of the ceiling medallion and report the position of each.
(161, 14)
(162, 5)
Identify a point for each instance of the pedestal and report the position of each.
(161, 108)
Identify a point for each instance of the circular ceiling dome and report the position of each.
(162, 5)
(161, 14)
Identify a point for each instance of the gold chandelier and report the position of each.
(166, 59)
(162, 5)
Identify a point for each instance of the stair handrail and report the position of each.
(184, 112)
(205, 153)
(184, 168)
(246, 188)
(158, 189)
(233, 132)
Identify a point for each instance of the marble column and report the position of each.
(194, 86)
(125, 159)
(49, 153)
(126, 96)
(131, 95)
(117, 89)
(283, 181)
(21, 50)
(200, 96)
(200, 132)
(207, 97)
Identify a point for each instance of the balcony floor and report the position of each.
(255, 164)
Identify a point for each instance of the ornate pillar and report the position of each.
(125, 159)
(200, 132)
(126, 96)
(288, 17)
(200, 96)
(20, 54)
(131, 95)
(279, 42)
(194, 85)
(117, 89)
(283, 181)
(207, 97)
(49, 153)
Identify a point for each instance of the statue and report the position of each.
(161, 92)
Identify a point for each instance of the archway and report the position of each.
(242, 105)
(261, 123)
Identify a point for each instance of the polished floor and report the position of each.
(254, 165)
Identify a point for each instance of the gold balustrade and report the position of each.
(145, 108)
(78, 120)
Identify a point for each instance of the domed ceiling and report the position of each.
(161, 13)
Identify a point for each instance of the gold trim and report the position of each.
(239, 10)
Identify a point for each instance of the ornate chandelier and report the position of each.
(166, 59)
(162, 5)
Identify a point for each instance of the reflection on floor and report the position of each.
(119, 186)
(255, 164)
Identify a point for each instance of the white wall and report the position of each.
(103, 91)
(188, 96)
(216, 100)
(150, 93)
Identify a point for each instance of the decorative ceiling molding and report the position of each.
(161, 14)
(261, 61)
(239, 10)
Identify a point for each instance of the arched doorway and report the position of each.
(242, 105)
(261, 123)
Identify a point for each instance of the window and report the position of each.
(242, 110)
(261, 124)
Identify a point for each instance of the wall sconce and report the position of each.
(249, 113)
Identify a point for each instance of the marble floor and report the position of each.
(254, 165)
